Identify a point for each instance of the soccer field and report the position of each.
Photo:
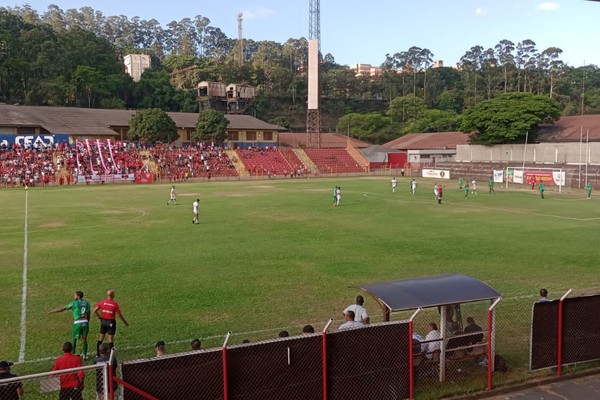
(269, 255)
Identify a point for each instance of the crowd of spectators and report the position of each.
(192, 161)
(28, 166)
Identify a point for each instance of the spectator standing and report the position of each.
(196, 345)
(81, 318)
(360, 313)
(160, 348)
(107, 310)
(350, 322)
(104, 357)
(308, 330)
(9, 391)
(71, 384)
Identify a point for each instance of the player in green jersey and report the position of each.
(541, 186)
(81, 317)
(460, 183)
(588, 187)
(491, 186)
(466, 189)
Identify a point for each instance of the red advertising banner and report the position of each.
(547, 177)
(144, 177)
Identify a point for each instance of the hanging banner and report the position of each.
(554, 178)
(518, 176)
(27, 141)
(144, 177)
(436, 173)
(498, 176)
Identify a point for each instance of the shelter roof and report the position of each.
(429, 141)
(379, 149)
(429, 291)
(97, 122)
(328, 140)
(571, 129)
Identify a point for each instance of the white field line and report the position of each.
(24, 291)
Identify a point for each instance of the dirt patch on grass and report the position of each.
(57, 224)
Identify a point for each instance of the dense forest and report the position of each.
(74, 58)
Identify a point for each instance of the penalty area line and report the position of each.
(24, 291)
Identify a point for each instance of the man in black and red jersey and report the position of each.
(106, 310)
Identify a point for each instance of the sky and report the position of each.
(360, 31)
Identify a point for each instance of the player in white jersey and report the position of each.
(474, 186)
(394, 183)
(195, 207)
(338, 196)
(413, 186)
(173, 197)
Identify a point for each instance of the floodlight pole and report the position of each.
(559, 346)
(411, 375)
(491, 341)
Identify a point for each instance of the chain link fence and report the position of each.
(365, 363)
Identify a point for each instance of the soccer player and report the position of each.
(334, 193)
(466, 189)
(107, 310)
(440, 194)
(435, 191)
(491, 185)
(394, 183)
(81, 318)
(460, 183)
(474, 186)
(173, 196)
(588, 187)
(541, 186)
(338, 196)
(195, 207)
(413, 186)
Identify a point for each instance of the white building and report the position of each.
(136, 64)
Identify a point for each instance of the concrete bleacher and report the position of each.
(333, 161)
(265, 162)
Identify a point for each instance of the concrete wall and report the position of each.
(543, 153)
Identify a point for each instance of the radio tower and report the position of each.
(240, 18)
(313, 113)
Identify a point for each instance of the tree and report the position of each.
(363, 126)
(508, 118)
(211, 127)
(435, 121)
(152, 125)
(405, 109)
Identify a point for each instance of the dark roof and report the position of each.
(379, 149)
(571, 129)
(429, 141)
(429, 291)
(328, 140)
(98, 122)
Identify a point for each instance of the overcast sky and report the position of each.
(359, 31)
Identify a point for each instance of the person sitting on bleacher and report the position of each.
(472, 327)
(433, 343)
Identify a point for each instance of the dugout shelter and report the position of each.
(444, 292)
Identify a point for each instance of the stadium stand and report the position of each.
(333, 161)
(267, 162)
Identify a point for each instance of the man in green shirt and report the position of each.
(335, 196)
(491, 185)
(81, 317)
(588, 187)
(466, 189)
(541, 186)
(460, 182)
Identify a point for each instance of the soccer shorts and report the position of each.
(108, 326)
(80, 330)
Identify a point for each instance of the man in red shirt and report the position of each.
(107, 310)
(71, 384)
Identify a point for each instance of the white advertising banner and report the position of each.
(498, 176)
(559, 177)
(436, 173)
(518, 176)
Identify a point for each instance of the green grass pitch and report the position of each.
(270, 255)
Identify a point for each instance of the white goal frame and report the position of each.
(559, 170)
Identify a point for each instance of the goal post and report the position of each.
(535, 175)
